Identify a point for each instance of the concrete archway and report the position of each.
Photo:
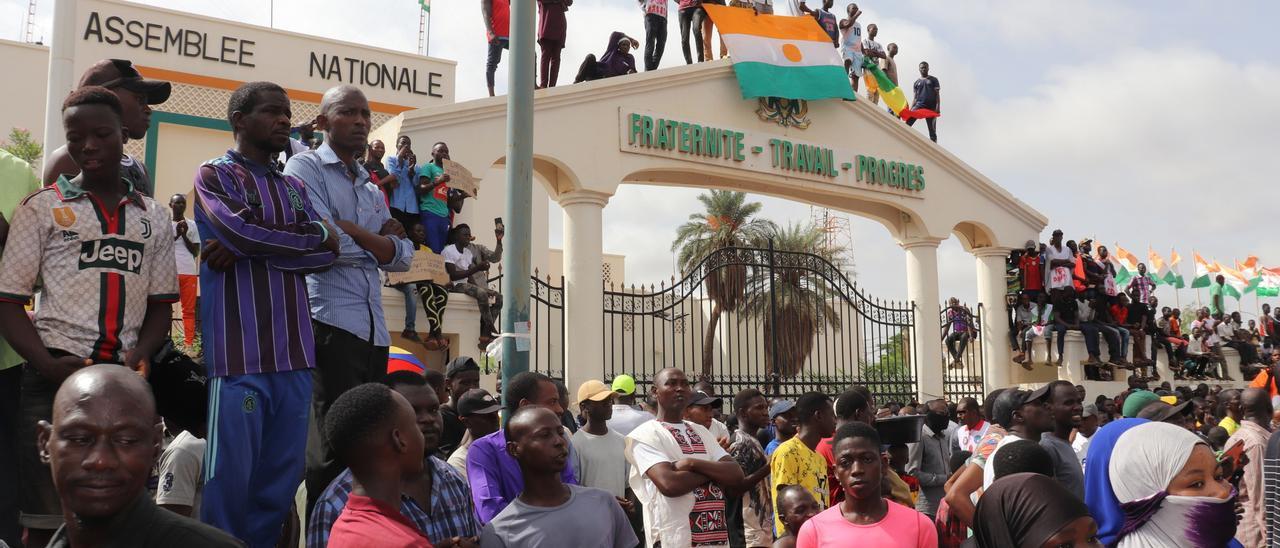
(643, 128)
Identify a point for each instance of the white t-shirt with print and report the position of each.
(1050, 255)
(646, 457)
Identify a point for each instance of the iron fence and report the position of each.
(783, 322)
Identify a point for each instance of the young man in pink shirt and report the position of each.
(373, 429)
(864, 518)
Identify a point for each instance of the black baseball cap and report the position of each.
(477, 401)
(459, 365)
(703, 398)
(120, 73)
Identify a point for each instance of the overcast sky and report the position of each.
(1148, 123)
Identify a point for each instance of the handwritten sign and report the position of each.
(426, 266)
(461, 178)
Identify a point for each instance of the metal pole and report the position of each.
(62, 49)
(515, 285)
(426, 50)
(773, 322)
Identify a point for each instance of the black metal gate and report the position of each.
(780, 321)
(964, 367)
(546, 324)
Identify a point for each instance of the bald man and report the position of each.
(346, 300)
(104, 439)
(1255, 404)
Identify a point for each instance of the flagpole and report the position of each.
(427, 51)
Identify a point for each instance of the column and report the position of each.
(583, 286)
(996, 355)
(922, 289)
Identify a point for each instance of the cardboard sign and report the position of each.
(461, 178)
(426, 266)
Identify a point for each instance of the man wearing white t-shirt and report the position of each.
(468, 267)
(1060, 262)
(185, 249)
(679, 472)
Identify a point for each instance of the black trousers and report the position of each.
(655, 40)
(10, 413)
(343, 361)
(686, 21)
(933, 127)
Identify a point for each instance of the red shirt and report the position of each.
(366, 522)
(501, 18)
(1032, 278)
(827, 451)
(1077, 278)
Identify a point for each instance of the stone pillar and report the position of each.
(922, 289)
(996, 355)
(583, 286)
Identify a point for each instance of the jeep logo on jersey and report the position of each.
(111, 253)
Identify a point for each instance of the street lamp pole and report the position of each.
(519, 168)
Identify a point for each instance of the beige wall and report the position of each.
(179, 151)
(26, 65)
(613, 270)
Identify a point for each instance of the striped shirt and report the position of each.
(448, 514)
(101, 266)
(1271, 489)
(349, 295)
(255, 317)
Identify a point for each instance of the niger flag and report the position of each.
(780, 56)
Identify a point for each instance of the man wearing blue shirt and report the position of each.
(346, 300)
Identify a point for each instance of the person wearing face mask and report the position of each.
(1032, 510)
(928, 458)
(1170, 490)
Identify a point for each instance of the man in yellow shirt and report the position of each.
(796, 462)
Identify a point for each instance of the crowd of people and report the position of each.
(697, 32)
(1069, 286)
(113, 437)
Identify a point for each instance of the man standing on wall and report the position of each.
(496, 15)
(346, 300)
(136, 96)
(928, 94)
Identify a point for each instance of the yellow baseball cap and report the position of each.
(624, 384)
(594, 390)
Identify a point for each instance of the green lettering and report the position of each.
(634, 122)
(695, 139)
(820, 161)
(787, 160)
(802, 157)
(714, 145)
(919, 178)
(831, 164)
(682, 138)
(773, 151)
(737, 147)
(862, 167)
(661, 141)
(646, 124)
(882, 172)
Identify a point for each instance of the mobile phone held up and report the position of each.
(497, 224)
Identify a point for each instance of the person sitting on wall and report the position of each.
(616, 61)
(468, 267)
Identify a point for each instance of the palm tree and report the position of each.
(802, 298)
(727, 222)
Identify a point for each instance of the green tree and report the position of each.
(21, 144)
(728, 221)
(799, 298)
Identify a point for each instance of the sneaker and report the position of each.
(1091, 360)
(957, 364)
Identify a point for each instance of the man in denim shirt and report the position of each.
(346, 300)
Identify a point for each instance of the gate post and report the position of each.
(996, 355)
(922, 288)
(583, 286)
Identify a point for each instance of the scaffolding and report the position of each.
(837, 236)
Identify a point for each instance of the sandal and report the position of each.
(436, 344)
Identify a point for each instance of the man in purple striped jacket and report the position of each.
(262, 237)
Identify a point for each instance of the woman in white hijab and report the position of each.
(1171, 491)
